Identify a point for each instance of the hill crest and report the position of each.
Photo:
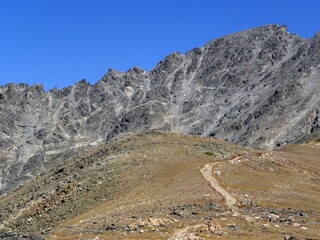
(257, 88)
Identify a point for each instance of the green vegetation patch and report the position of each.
(210, 153)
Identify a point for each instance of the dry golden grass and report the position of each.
(169, 175)
(158, 192)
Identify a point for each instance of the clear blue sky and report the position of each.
(59, 42)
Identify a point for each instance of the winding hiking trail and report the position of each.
(230, 201)
(183, 234)
(207, 174)
(206, 170)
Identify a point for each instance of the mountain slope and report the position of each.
(158, 186)
(258, 88)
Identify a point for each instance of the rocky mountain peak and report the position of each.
(258, 88)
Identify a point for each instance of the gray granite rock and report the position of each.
(258, 88)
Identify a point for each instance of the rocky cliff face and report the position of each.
(258, 88)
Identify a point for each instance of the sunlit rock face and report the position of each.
(257, 88)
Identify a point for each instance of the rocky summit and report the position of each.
(257, 88)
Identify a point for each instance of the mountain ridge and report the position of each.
(258, 88)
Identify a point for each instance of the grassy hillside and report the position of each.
(152, 186)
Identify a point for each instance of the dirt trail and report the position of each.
(207, 174)
(230, 201)
(183, 234)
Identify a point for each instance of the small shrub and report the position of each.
(210, 154)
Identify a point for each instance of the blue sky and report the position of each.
(57, 43)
